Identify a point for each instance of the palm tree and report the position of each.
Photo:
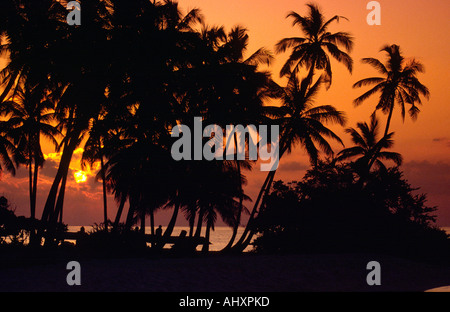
(30, 115)
(84, 80)
(94, 150)
(223, 196)
(301, 123)
(249, 87)
(215, 188)
(311, 50)
(368, 148)
(9, 155)
(399, 84)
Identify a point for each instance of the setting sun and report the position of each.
(80, 176)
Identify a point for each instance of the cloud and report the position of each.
(442, 140)
(293, 166)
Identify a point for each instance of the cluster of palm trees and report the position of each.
(118, 83)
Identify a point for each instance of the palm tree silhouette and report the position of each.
(311, 50)
(9, 155)
(245, 107)
(399, 84)
(301, 123)
(368, 148)
(30, 116)
(83, 82)
(94, 150)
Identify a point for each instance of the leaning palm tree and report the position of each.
(217, 191)
(368, 149)
(253, 87)
(310, 51)
(301, 123)
(399, 84)
(94, 151)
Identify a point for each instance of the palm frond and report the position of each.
(261, 56)
(377, 64)
(363, 97)
(344, 39)
(395, 157)
(368, 81)
(287, 43)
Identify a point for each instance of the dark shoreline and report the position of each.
(247, 272)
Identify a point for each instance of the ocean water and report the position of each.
(219, 238)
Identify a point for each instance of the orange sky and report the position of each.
(419, 27)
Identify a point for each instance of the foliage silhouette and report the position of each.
(399, 84)
(140, 68)
(369, 148)
(328, 212)
(310, 51)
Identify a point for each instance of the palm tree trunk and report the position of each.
(64, 164)
(60, 202)
(241, 199)
(245, 237)
(252, 214)
(206, 244)
(173, 219)
(388, 122)
(33, 237)
(35, 182)
(191, 226)
(119, 212)
(143, 221)
(310, 76)
(152, 221)
(129, 221)
(386, 131)
(30, 185)
(105, 207)
(199, 223)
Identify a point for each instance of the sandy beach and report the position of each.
(241, 273)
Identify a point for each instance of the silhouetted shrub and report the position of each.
(332, 210)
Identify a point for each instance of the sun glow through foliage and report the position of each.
(80, 176)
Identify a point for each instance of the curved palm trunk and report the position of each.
(173, 220)
(191, 225)
(199, 222)
(247, 235)
(119, 212)
(241, 199)
(388, 122)
(51, 229)
(60, 203)
(386, 131)
(50, 212)
(63, 168)
(253, 213)
(129, 221)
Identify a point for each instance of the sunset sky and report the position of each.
(419, 27)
